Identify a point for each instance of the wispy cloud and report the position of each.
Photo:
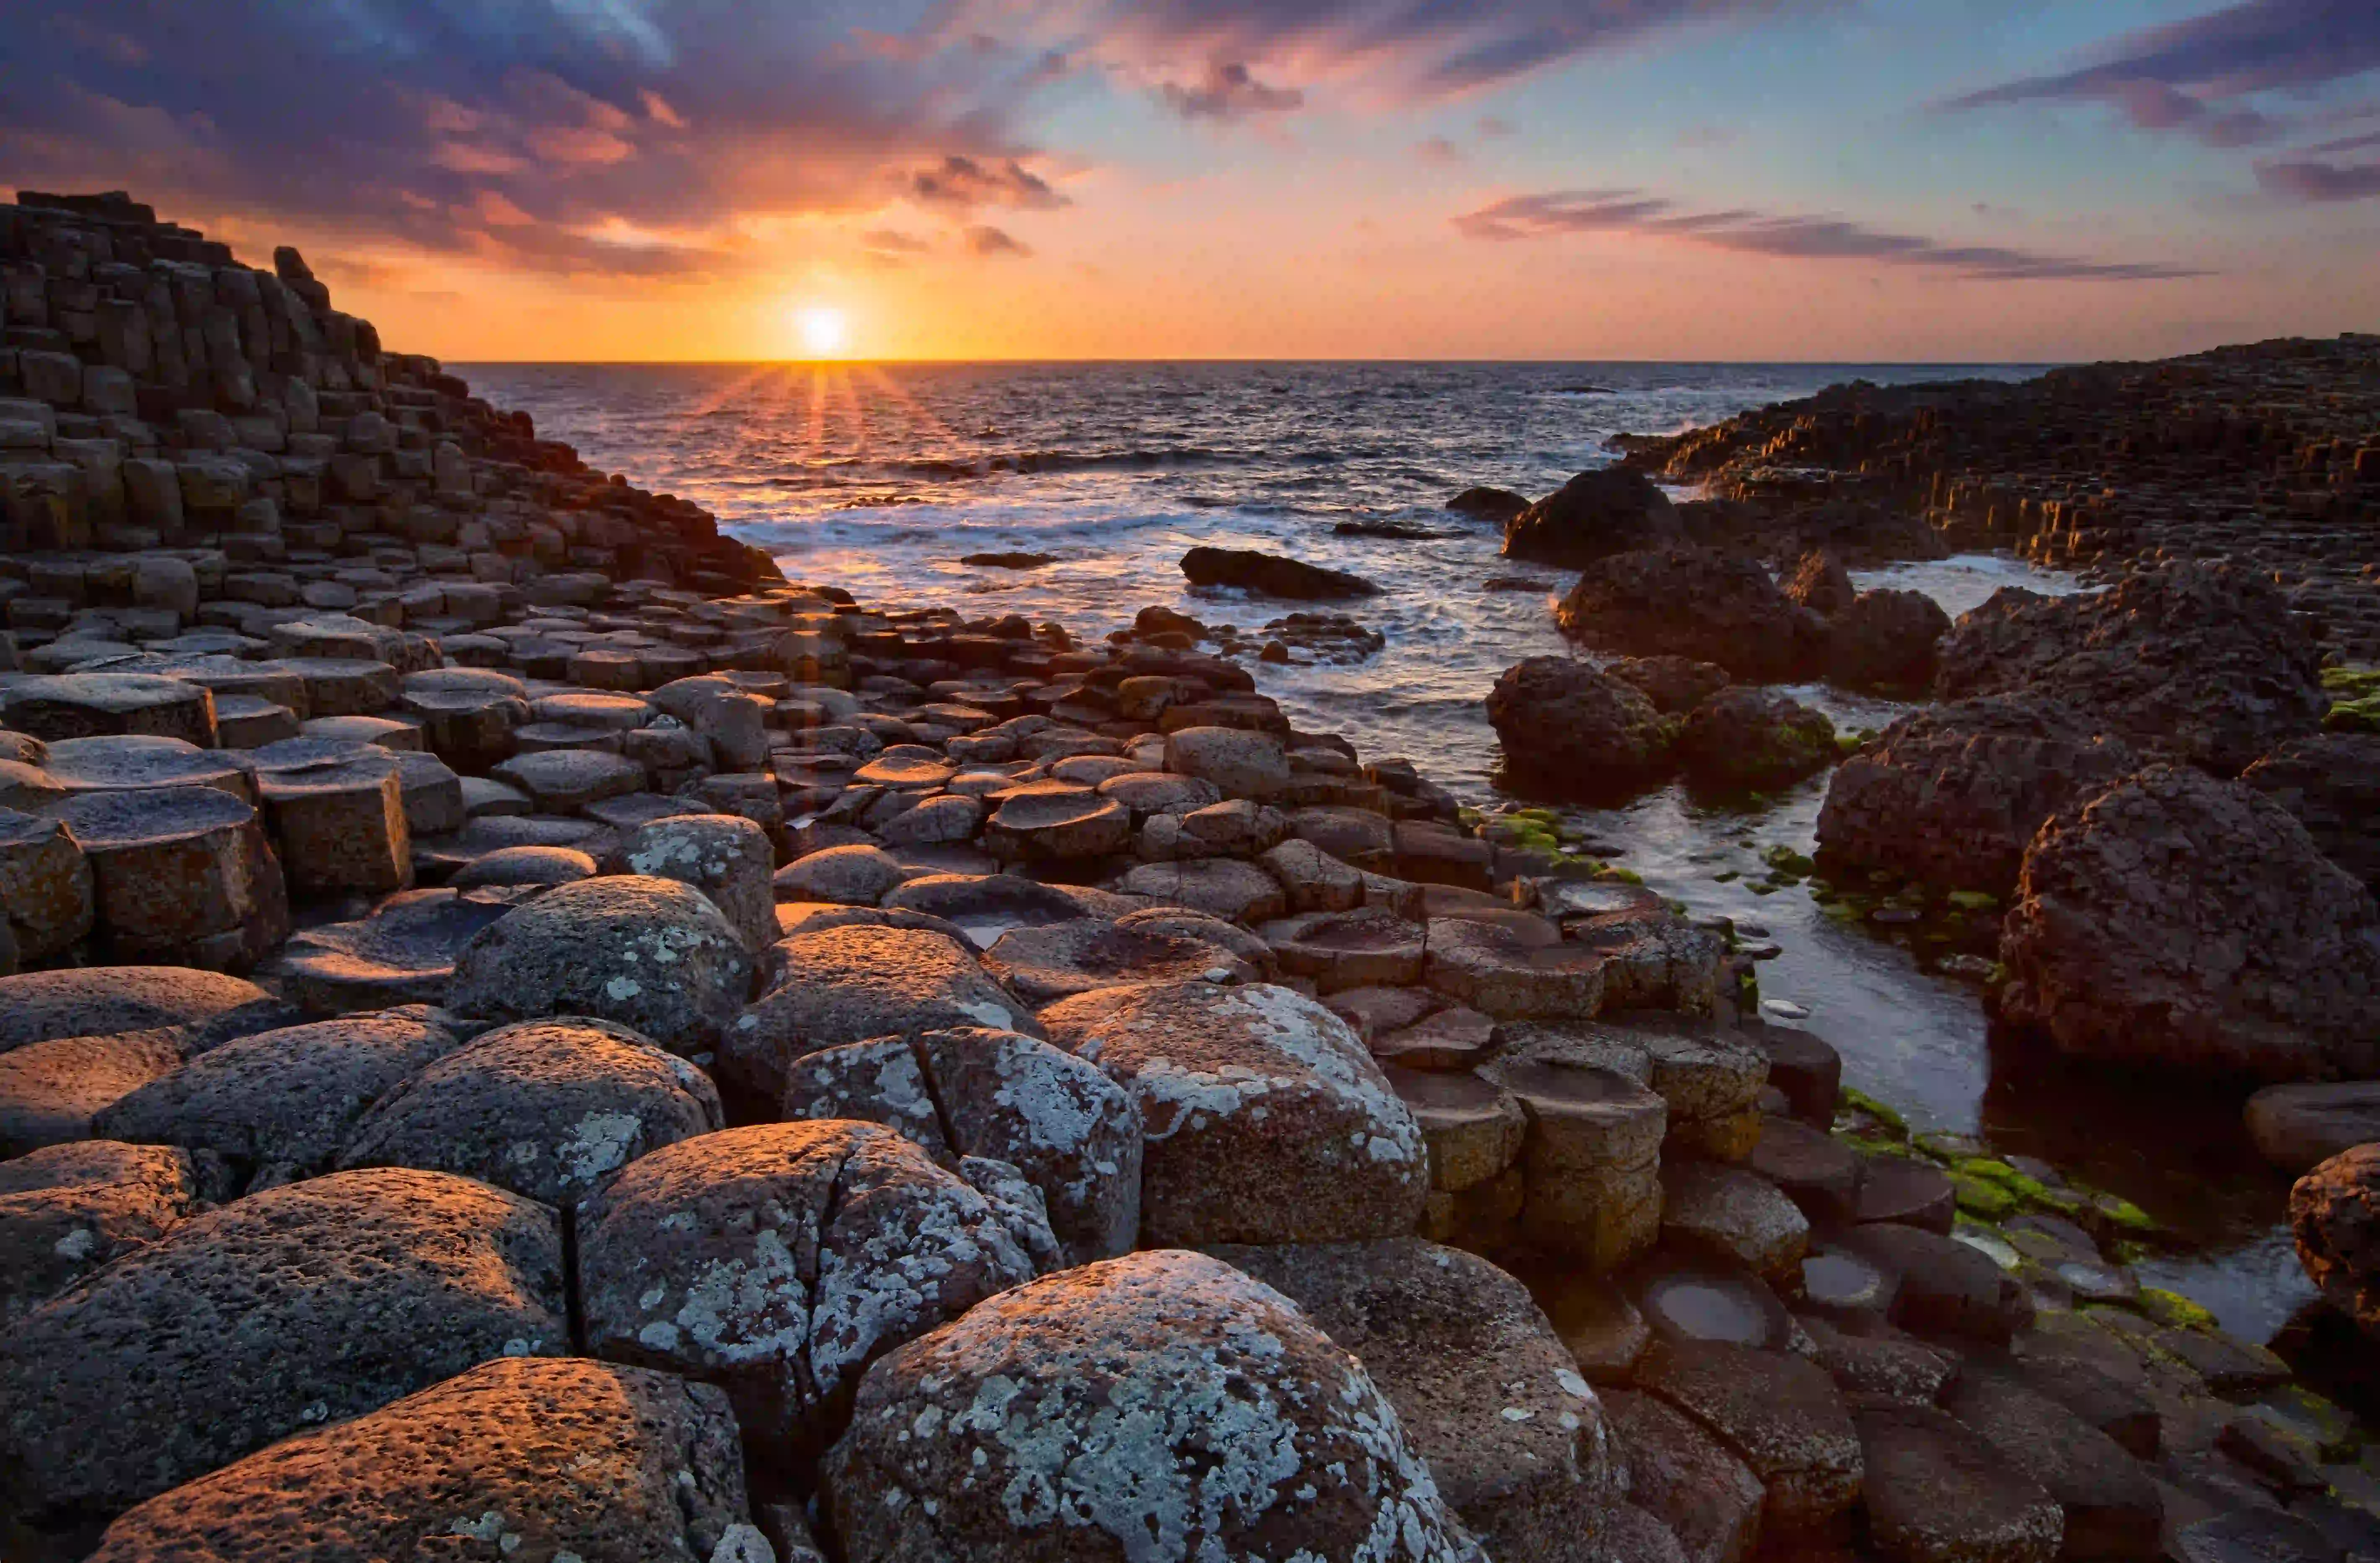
(983, 240)
(2201, 76)
(1227, 91)
(1438, 150)
(966, 182)
(2311, 179)
(1782, 237)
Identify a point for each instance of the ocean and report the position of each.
(881, 478)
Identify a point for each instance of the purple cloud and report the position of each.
(1228, 91)
(1746, 232)
(2312, 180)
(2195, 75)
(966, 183)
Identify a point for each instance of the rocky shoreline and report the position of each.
(533, 1036)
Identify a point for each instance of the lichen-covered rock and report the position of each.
(1952, 794)
(286, 1098)
(1069, 1131)
(303, 1304)
(1566, 725)
(1485, 1391)
(651, 955)
(1265, 1120)
(100, 1001)
(725, 856)
(67, 1210)
(515, 1458)
(1160, 1407)
(850, 984)
(2189, 922)
(2202, 662)
(546, 1109)
(780, 1260)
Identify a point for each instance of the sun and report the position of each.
(824, 330)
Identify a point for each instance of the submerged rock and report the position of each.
(1233, 1425)
(1270, 574)
(2192, 923)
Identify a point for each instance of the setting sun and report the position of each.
(824, 330)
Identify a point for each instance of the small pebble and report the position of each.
(1784, 1009)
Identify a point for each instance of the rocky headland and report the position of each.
(532, 1036)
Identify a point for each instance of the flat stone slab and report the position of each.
(403, 953)
(1056, 960)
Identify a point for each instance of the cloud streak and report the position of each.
(2197, 77)
(1784, 237)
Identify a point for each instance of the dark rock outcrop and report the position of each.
(1696, 602)
(1821, 583)
(1565, 723)
(1888, 641)
(1270, 574)
(2331, 782)
(1498, 505)
(1674, 684)
(2200, 662)
(2183, 921)
(1953, 794)
(1744, 738)
(1610, 510)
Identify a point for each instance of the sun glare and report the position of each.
(824, 331)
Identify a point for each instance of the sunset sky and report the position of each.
(1827, 179)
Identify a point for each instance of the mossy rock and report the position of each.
(2173, 1309)
(1763, 887)
(1727, 877)
(2351, 682)
(1787, 860)
(2354, 716)
(1973, 901)
(1620, 875)
(1860, 1101)
(1981, 1196)
(1849, 743)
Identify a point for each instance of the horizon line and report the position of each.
(855, 362)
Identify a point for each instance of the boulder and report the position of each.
(1781, 1415)
(1566, 725)
(650, 954)
(1888, 641)
(1056, 960)
(1820, 583)
(545, 1108)
(403, 953)
(1754, 740)
(95, 704)
(2331, 783)
(101, 1001)
(1250, 1434)
(1935, 1493)
(2192, 923)
(725, 856)
(1312, 878)
(2334, 1215)
(1068, 1130)
(1265, 1119)
(853, 876)
(1952, 794)
(2295, 1127)
(183, 876)
(1674, 684)
(850, 984)
(1598, 513)
(1483, 1389)
(46, 889)
(780, 1260)
(1498, 505)
(567, 781)
(285, 1099)
(1697, 602)
(1237, 763)
(2202, 662)
(516, 1457)
(67, 1210)
(541, 866)
(309, 1303)
(1270, 574)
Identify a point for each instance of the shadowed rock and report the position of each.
(562, 1459)
(1270, 574)
(1607, 511)
(403, 953)
(1697, 602)
(97, 1000)
(67, 1210)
